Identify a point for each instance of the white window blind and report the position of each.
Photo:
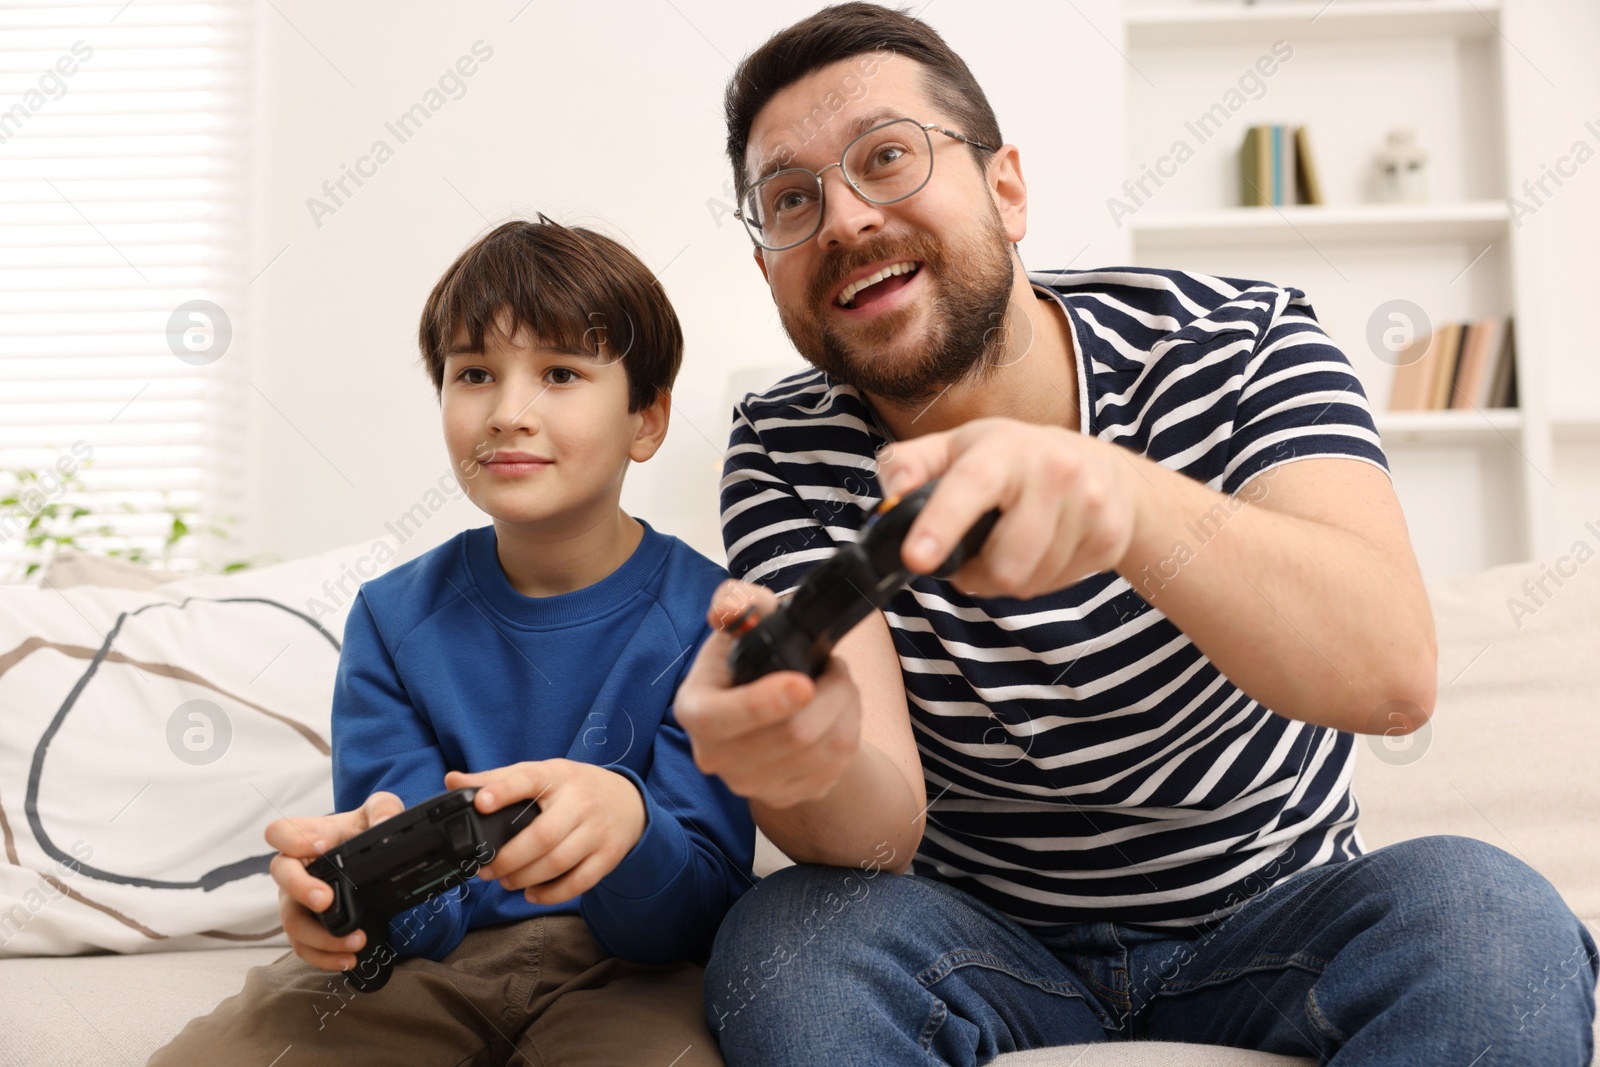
(124, 157)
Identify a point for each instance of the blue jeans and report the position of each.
(1442, 951)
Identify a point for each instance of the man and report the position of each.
(1123, 785)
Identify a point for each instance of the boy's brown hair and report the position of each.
(572, 288)
(845, 31)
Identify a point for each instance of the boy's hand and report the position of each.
(299, 894)
(589, 818)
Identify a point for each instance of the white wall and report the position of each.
(594, 114)
(611, 115)
(1557, 41)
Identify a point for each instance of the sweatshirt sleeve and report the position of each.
(381, 742)
(664, 901)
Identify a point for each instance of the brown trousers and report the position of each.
(539, 993)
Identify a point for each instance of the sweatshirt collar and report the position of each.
(564, 609)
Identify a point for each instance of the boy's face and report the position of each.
(542, 436)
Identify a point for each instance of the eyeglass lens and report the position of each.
(884, 164)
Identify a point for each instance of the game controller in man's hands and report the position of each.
(403, 861)
(841, 591)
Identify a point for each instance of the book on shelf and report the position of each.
(1308, 187)
(1502, 390)
(1277, 164)
(1471, 385)
(1462, 365)
(1254, 189)
(1446, 359)
(1275, 167)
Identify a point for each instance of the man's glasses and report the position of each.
(889, 162)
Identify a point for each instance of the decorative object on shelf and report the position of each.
(1275, 168)
(1461, 365)
(1400, 169)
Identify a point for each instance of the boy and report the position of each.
(541, 654)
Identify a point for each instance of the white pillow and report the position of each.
(68, 568)
(146, 740)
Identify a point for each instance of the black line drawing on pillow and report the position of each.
(105, 653)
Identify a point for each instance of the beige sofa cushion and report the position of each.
(1510, 755)
(112, 1009)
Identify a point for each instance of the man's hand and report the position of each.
(783, 739)
(1068, 504)
(589, 818)
(299, 894)
(1324, 531)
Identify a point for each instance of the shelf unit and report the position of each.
(1356, 70)
(1575, 427)
(1448, 427)
(1195, 24)
(1359, 223)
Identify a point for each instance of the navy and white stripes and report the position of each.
(1084, 761)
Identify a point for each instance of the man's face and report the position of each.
(910, 336)
(535, 432)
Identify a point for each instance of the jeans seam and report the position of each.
(1086, 972)
(1124, 995)
(1320, 1021)
(936, 1019)
(1304, 961)
(950, 962)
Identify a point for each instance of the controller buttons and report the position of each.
(744, 622)
(450, 804)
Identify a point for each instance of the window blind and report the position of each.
(124, 162)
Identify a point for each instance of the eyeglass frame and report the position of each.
(822, 193)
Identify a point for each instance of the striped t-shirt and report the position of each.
(1083, 759)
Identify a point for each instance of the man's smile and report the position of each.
(872, 282)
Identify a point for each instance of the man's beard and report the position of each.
(972, 288)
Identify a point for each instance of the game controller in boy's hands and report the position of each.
(403, 861)
(841, 591)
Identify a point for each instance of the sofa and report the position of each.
(1509, 758)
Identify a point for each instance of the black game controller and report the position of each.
(841, 591)
(403, 861)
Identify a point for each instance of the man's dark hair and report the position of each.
(842, 32)
(573, 289)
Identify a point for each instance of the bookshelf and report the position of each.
(1368, 20)
(1447, 427)
(1476, 485)
(1574, 426)
(1478, 220)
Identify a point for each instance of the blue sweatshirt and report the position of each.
(445, 666)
